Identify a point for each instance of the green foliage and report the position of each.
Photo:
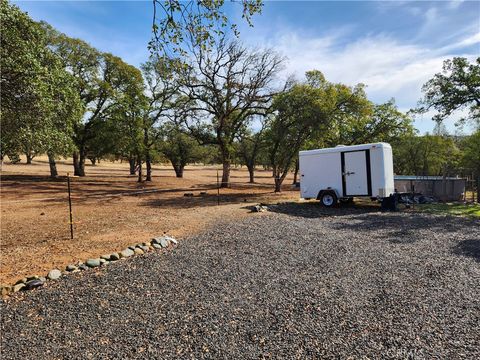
(198, 21)
(180, 148)
(251, 144)
(425, 155)
(39, 105)
(313, 113)
(470, 160)
(110, 90)
(373, 123)
(226, 87)
(456, 88)
(163, 100)
(124, 116)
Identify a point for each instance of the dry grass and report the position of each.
(111, 210)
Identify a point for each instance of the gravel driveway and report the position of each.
(294, 283)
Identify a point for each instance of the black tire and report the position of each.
(328, 199)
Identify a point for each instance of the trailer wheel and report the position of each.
(328, 199)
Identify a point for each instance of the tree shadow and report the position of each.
(400, 228)
(405, 236)
(469, 248)
(30, 179)
(206, 200)
(315, 209)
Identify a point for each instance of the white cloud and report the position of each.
(454, 4)
(389, 67)
(471, 40)
(380, 62)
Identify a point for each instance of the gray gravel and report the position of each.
(297, 283)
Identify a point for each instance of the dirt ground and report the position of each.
(111, 210)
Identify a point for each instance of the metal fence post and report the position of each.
(70, 206)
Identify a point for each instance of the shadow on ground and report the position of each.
(209, 199)
(315, 209)
(470, 248)
(395, 227)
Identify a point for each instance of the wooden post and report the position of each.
(70, 206)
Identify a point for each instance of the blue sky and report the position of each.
(393, 47)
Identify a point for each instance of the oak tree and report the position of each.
(456, 88)
(227, 86)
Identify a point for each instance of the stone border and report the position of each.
(35, 281)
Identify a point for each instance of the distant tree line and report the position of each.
(211, 100)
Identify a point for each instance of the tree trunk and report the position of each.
(93, 160)
(148, 164)
(279, 180)
(53, 165)
(278, 184)
(178, 170)
(295, 173)
(81, 162)
(148, 157)
(76, 166)
(251, 173)
(131, 161)
(139, 164)
(226, 174)
(29, 158)
(226, 164)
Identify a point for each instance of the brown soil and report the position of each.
(111, 210)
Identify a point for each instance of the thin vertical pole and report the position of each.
(218, 189)
(413, 198)
(70, 206)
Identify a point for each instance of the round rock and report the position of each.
(114, 257)
(93, 263)
(138, 251)
(5, 290)
(54, 274)
(21, 281)
(71, 267)
(164, 242)
(32, 284)
(127, 253)
(18, 287)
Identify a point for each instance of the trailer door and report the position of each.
(356, 173)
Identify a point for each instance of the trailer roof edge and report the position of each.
(340, 148)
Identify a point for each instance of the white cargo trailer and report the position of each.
(340, 173)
